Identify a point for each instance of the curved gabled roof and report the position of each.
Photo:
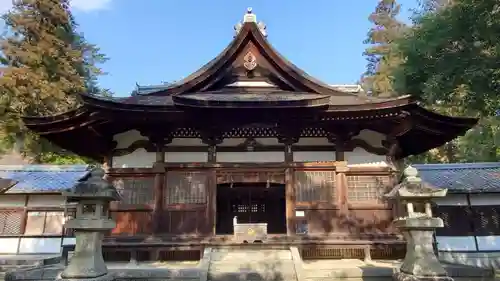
(283, 78)
(247, 76)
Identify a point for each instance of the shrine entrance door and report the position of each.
(251, 203)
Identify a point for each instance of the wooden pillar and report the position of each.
(159, 182)
(340, 197)
(341, 185)
(25, 215)
(290, 197)
(212, 138)
(291, 224)
(339, 149)
(211, 210)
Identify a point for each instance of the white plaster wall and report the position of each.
(140, 158)
(186, 157)
(361, 157)
(251, 157)
(488, 243)
(186, 142)
(456, 243)
(46, 201)
(30, 245)
(9, 245)
(69, 241)
(313, 141)
(373, 138)
(12, 201)
(452, 200)
(313, 156)
(125, 139)
(484, 199)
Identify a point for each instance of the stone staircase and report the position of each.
(251, 264)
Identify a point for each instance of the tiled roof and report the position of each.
(462, 178)
(42, 178)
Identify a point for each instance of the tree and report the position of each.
(430, 6)
(452, 64)
(381, 58)
(46, 64)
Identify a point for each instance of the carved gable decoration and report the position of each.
(250, 61)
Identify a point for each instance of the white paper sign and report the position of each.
(300, 213)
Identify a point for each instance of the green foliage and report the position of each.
(452, 64)
(45, 65)
(453, 57)
(429, 6)
(381, 57)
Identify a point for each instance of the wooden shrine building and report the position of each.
(251, 139)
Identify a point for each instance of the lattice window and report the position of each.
(313, 186)
(135, 190)
(11, 222)
(251, 132)
(486, 220)
(256, 208)
(367, 188)
(39, 223)
(313, 132)
(456, 220)
(186, 133)
(186, 188)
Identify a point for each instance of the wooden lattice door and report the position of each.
(251, 203)
(248, 204)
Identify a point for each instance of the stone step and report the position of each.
(256, 266)
(252, 275)
(251, 264)
(242, 255)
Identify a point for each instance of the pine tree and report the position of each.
(381, 56)
(45, 65)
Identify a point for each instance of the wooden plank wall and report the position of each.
(348, 202)
(183, 209)
(350, 205)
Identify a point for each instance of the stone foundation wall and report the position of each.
(479, 259)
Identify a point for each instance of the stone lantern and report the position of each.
(91, 197)
(418, 225)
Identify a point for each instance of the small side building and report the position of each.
(470, 211)
(32, 207)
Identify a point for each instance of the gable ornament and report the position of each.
(250, 61)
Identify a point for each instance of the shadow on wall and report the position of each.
(357, 223)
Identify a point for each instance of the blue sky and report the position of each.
(151, 41)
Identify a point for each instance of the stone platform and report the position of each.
(223, 264)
